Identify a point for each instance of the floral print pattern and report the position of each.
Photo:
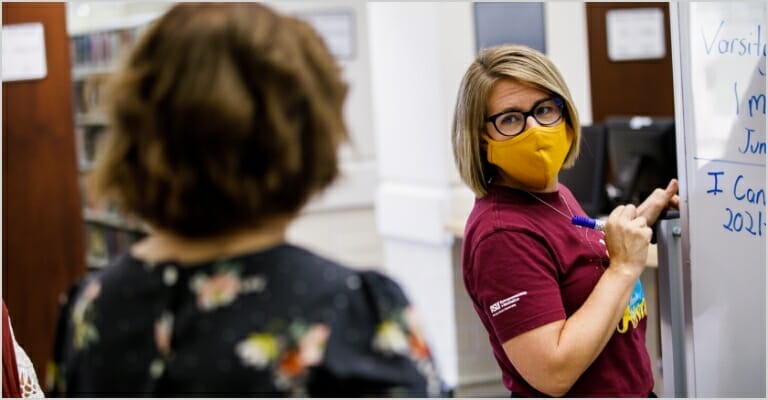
(258, 350)
(401, 334)
(312, 344)
(223, 286)
(163, 330)
(290, 355)
(303, 351)
(419, 348)
(217, 290)
(245, 317)
(391, 338)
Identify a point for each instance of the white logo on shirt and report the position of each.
(505, 304)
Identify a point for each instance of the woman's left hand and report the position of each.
(658, 201)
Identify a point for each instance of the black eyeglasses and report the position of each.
(546, 112)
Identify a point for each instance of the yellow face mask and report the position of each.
(533, 157)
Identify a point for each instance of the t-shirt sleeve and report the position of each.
(377, 348)
(514, 280)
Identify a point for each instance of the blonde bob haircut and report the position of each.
(224, 117)
(522, 64)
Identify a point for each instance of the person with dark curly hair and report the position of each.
(225, 119)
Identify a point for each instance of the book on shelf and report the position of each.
(106, 242)
(87, 96)
(94, 56)
(88, 138)
(114, 220)
(99, 51)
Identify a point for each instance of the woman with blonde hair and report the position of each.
(562, 317)
(225, 119)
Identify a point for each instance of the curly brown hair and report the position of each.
(223, 116)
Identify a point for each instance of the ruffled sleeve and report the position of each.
(377, 347)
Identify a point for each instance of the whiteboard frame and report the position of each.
(684, 123)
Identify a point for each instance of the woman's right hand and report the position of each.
(627, 237)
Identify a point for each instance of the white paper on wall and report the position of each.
(635, 34)
(23, 52)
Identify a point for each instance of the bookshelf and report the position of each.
(95, 53)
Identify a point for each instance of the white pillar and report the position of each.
(418, 54)
(568, 47)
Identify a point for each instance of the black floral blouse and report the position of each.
(282, 322)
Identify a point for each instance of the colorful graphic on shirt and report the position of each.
(636, 309)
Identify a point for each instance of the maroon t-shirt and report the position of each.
(526, 265)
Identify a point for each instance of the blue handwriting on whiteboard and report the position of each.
(715, 190)
(755, 103)
(753, 196)
(740, 46)
(746, 219)
(757, 147)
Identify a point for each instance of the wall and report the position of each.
(340, 222)
(427, 54)
(566, 30)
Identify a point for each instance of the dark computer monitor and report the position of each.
(642, 156)
(587, 177)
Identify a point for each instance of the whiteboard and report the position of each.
(720, 89)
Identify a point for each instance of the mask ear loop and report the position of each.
(484, 151)
(572, 133)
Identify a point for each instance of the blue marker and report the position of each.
(587, 222)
